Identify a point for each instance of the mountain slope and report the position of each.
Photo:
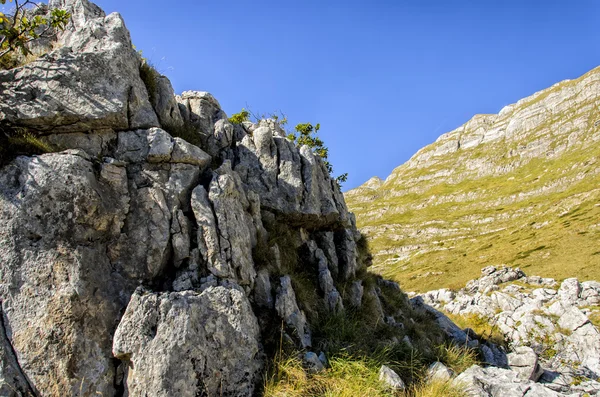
(519, 188)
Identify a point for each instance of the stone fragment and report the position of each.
(524, 361)
(391, 379)
(439, 372)
(312, 362)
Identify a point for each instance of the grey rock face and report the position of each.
(96, 145)
(202, 111)
(391, 378)
(346, 253)
(263, 293)
(165, 105)
(333, 299)
(287, 308)
(228, 230)
(356, 293)
(127, 204)
(186, 344)
(91, 82)
(57, 216)
(291, 182)
(524, 361)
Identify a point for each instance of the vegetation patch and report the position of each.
(486, 330)
(16, 141)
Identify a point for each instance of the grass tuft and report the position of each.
(149, 76)
(457, 358)
(482, 327)
(17, 141)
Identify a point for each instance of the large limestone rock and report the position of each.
(287, 308)
(77, 236)
(189, 344)
(91, 81)
(227, 228)
(60, 291)
(292, 182)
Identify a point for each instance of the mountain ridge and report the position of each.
(503, 159)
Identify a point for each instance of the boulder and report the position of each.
(569, 291)
(439, 372)
(60, 290)
(524, 361)
(391, 379)
(312, 362)
(91, 81)
(189, 343)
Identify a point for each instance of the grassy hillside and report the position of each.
(520, 188)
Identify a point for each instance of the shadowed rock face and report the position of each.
(124, 205)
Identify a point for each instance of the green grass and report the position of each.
(457, 358)
(19, 141)
(347, 376)
(149, 76)
(483, 327)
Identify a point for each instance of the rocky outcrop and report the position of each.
(153, 252)
(551, 339)
(91, 82)
(517, 187)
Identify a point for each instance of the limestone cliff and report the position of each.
(134, 262)
(519, 188)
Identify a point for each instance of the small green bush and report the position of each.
(239, 118)
(23, 26)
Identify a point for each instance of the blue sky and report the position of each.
(384, 78)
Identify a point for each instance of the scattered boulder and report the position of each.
(391, 378)
(524, 361)
(312, 362)
(439, 372)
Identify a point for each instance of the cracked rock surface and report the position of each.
(136, 262)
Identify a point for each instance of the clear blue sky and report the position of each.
(384, 78)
